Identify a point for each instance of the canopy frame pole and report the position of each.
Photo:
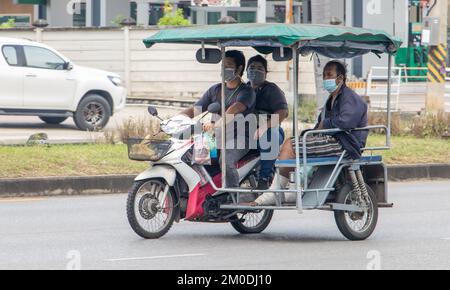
(295, 63)
(203, 51)
(223, 129)
(389, 90)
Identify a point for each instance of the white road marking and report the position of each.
(445, 239)
(154, 257)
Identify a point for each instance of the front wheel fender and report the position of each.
(166, 172)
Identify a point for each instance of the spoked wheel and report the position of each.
(357, 226)
(148, 214)
(253, 222)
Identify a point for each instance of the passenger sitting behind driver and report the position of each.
(345, 110)
(270, 102)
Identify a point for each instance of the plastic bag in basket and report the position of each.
(201, 152)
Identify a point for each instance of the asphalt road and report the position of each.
(93, 233)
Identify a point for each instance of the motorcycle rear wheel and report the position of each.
(252, 222)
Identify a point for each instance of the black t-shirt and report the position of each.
(244, 94)
(269, 99)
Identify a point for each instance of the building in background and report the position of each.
(68, 13)
(244, 11)
(103, 13)
(22, 14)
(401, 18)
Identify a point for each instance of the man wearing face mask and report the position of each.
(345, 110)
(270, 101)
(239, 100)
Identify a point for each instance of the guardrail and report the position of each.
(376, 82)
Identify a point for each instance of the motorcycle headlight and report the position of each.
(115, 80)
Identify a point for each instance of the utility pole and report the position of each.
(262, 8)
(288, 20)
(320, 14)
(289, 11)
(437, 54)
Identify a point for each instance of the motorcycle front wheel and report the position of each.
(149, 215)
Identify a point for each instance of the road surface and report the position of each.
(93, 233)
(17, 129)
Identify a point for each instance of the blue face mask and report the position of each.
(330, 85)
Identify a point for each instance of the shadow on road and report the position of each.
(277, 237)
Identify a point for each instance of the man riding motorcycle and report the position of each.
(240, 100)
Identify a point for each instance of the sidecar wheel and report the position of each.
(356, 226)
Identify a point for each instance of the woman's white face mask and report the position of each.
(256, 76)
(230, 74)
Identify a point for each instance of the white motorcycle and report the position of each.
(173, 188)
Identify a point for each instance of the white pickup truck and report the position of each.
(36, 80)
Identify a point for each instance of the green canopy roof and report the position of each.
(329, 40)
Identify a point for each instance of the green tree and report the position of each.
(11, 23)
(172, 20)
(117, 20)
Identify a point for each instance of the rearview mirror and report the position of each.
(67, 66)
(209, 55)
(282, 54)
(214, 108)
(152, 111)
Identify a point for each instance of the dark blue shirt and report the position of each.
(270, 99)
(349, 111)
(244, 94)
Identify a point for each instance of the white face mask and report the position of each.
(230, 74)
(256, 76)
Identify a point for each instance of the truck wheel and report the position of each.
(53, 120)
(93, 113)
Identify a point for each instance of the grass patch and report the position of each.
(101, 159)
(66, 160)
(412, 150)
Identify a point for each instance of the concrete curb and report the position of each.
(59, 186)
(419, 171)
(108, 184)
